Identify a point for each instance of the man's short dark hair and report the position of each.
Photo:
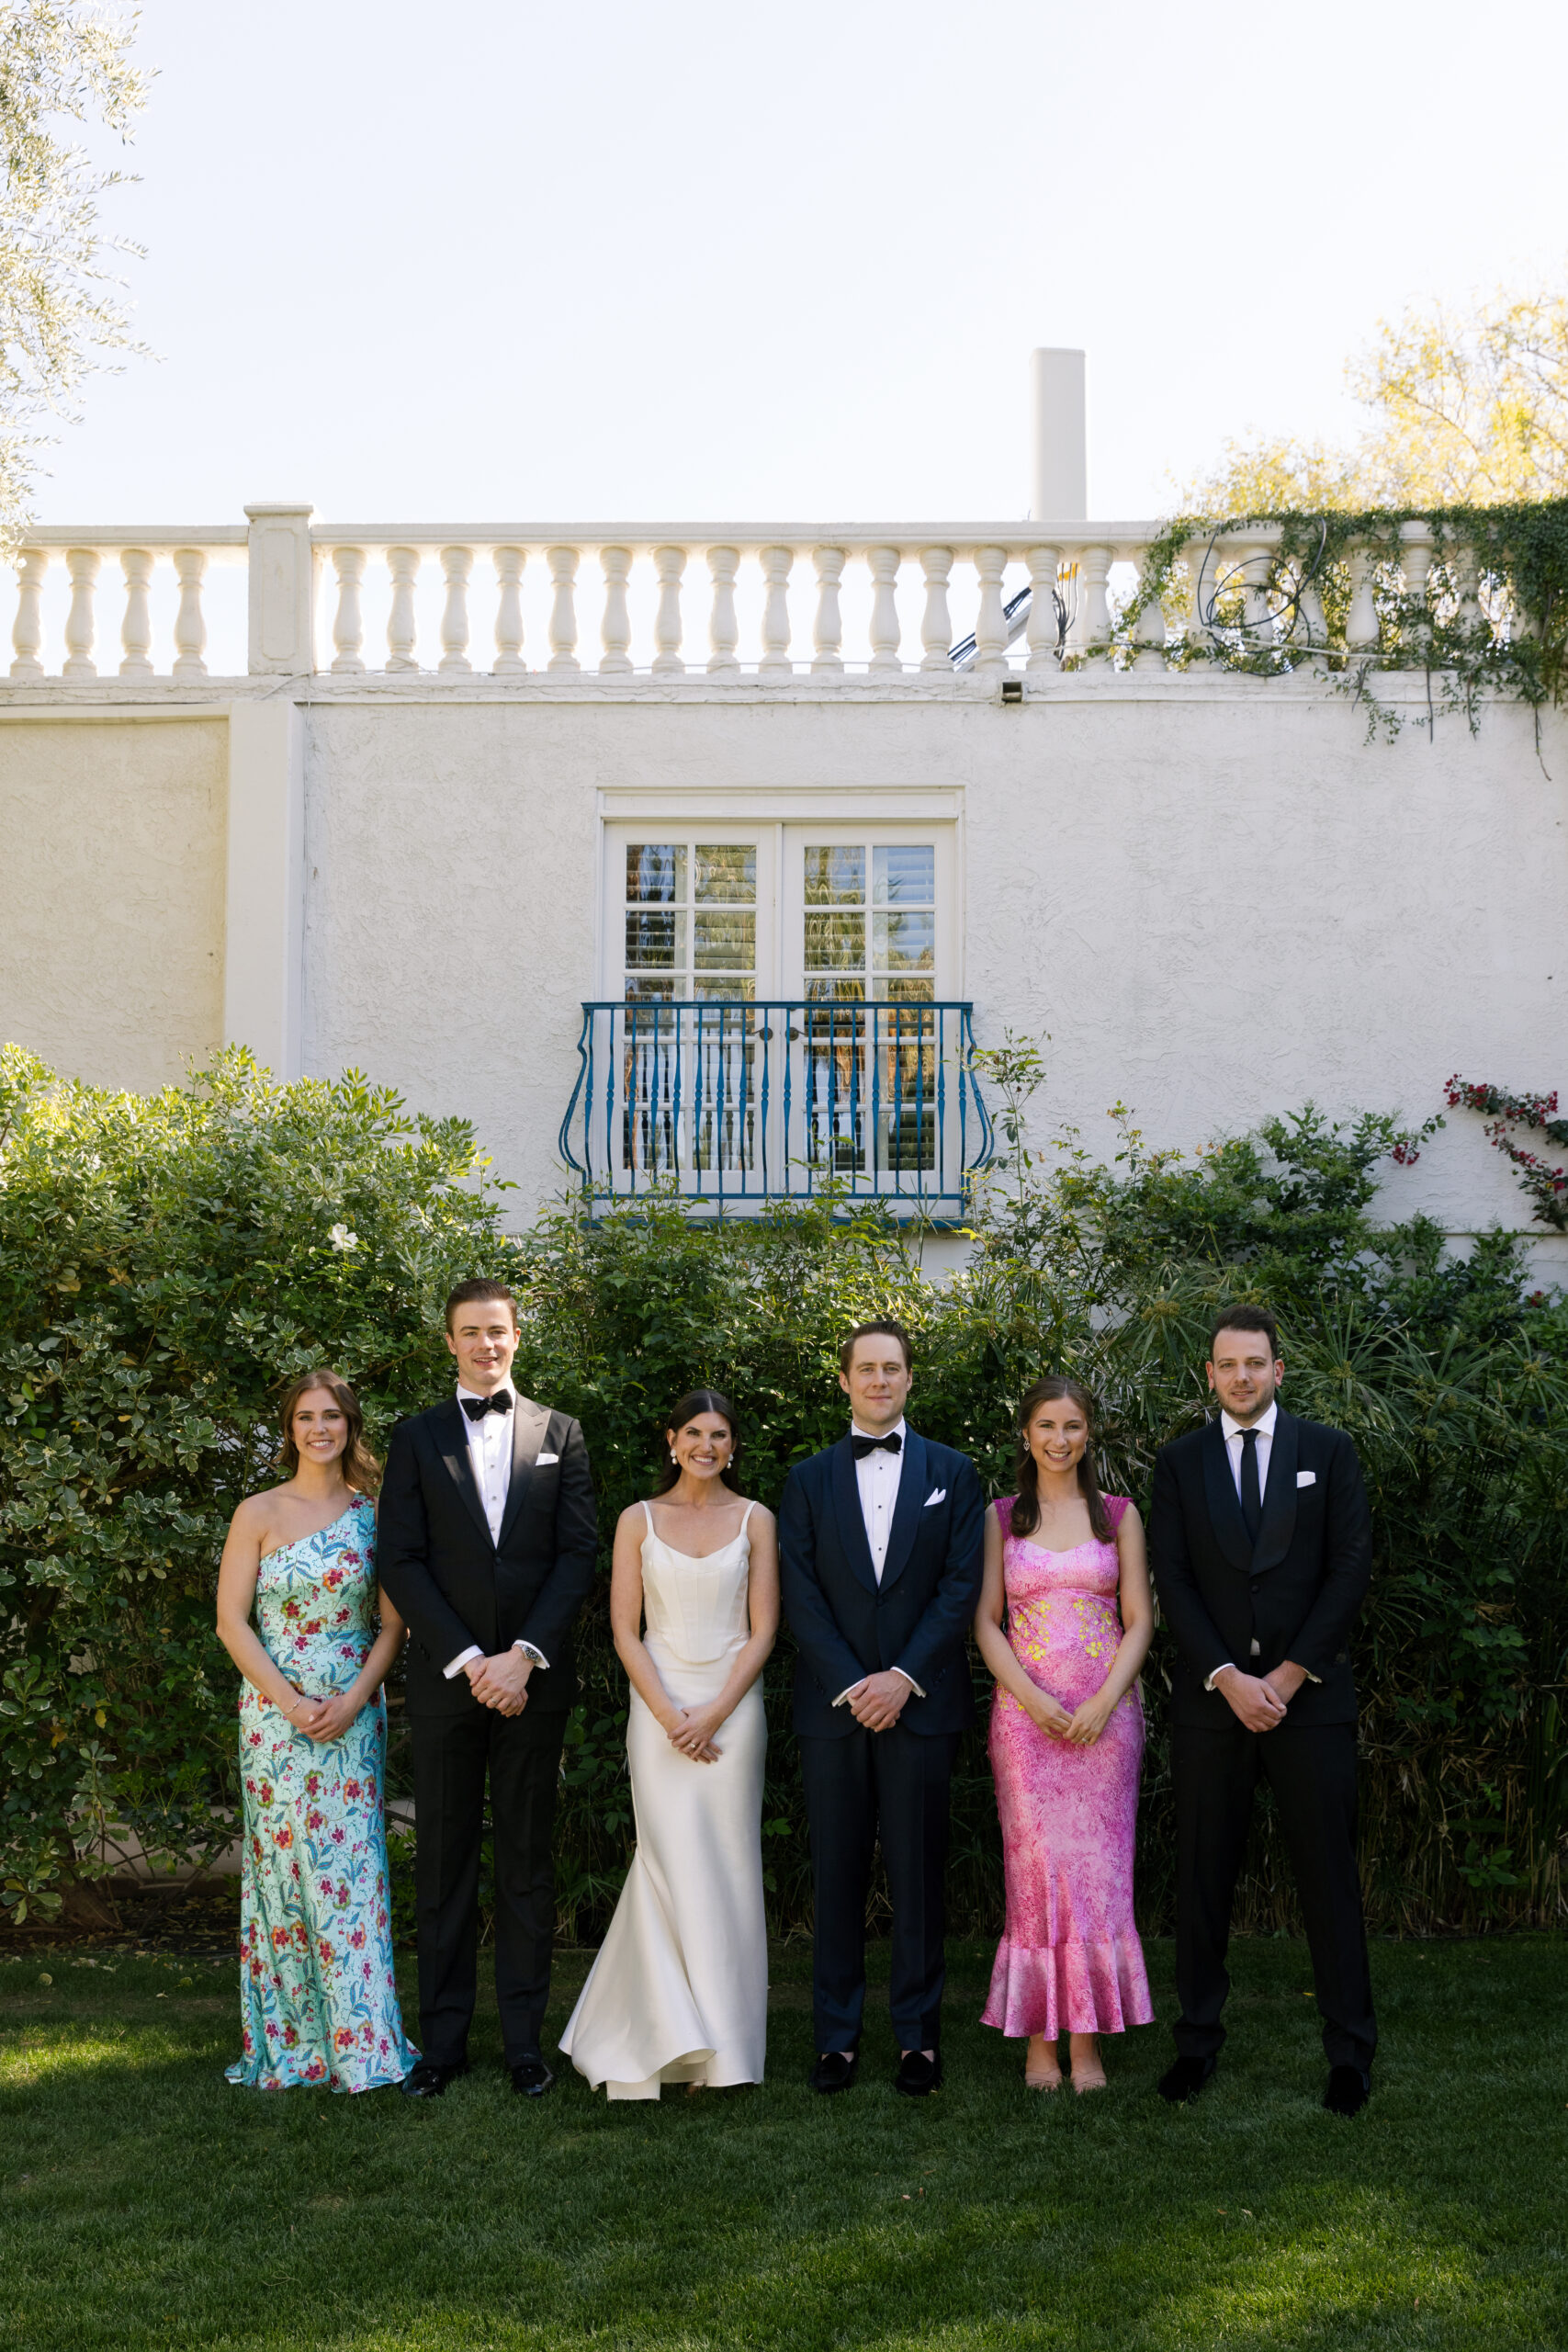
(1246, 1318)
(470, 1294)
(884, 1327)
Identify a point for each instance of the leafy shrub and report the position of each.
(172, 1261)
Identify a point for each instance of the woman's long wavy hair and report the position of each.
(695, 1401)
(1026, 1509)
(360, 1467)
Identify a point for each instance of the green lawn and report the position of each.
(147, 2203)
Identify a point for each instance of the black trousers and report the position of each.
(452, 1755)
(1312, 1771)
(893, 1785)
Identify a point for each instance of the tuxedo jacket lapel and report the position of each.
(851, 1520)
(1279, 1523)
(1224, 1503)
(453, 1441)
(912, 1492)
(529, 1423)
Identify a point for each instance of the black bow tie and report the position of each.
(476, 1407)
(892, 1443)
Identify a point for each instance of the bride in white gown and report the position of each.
(679, 1992)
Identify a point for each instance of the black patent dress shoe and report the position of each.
(1349, 2088)
(836, 2071)
(429, 2081)
(1186, 2079)
(532, 2078)
(917, 2076)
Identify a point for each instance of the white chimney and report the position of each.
(1058, 462)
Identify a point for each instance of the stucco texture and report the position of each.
(1218, 903)
(111, 895)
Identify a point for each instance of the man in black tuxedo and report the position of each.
(1260, 1543)
(486, 1547)
(880, 1560)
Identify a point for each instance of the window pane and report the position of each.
(738, 986)
(835, 877)
(656, 873)
(651, 992)
(906, 943)
(724, 942)
(728, 870)
(835, 991)
(655, 939)
(905, 877)
(906, 992)
(835, 943)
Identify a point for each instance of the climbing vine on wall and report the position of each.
(1546, 1186)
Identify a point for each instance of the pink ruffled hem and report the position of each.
(1068, 1988)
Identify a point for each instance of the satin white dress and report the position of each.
(679, 1991)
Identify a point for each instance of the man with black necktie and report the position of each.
(880, 1562)
(486, 1546)
(1260, 1544)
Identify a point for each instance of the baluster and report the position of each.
(1252, 564)
(1361, 627)
(1041, 634)
(563, 612)
(777, 565)
(1077, 608)
(1148, 630)
(136, 627)
(456, 565)
(83, 566)
(1467, 579)
(615, 625)
(886, 632)
(936, 622)
(828, 631)
(723, 628)
(668, 564)
(1415, 554)
(348, 621)
(1314, 621)
(190, 624)
(1097, 603)
(1201, 569)
(509, 658)
(404, 565)
(27, 630)
(991, 624)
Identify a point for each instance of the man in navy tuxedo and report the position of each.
(1261, 1544)
(880, 1563)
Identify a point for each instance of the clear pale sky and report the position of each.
(494, 260)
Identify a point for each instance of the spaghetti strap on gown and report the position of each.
(679, 1991)
(1069, 1960)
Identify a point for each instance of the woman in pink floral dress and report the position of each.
(317, 1996)
(1067, 1741)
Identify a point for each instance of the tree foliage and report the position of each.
(1466, 407)
(61, 310)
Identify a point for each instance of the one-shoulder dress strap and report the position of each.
(1116, 1509)
(749, 1508)
(1004, 1514)
(647, 1514)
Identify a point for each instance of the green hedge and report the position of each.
(167, 1263)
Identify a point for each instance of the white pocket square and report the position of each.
(939, 1494)
(1306, 1477)
(541, 1459)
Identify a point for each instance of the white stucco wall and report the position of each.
(1218, 901)
(111, 893)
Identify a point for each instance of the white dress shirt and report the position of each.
(877, 1475)
(490, 1458)
(1233, 1433)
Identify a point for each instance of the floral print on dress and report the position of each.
(1070, 1959)
(318, 2001)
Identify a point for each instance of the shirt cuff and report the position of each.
(844, 1697)
(462, 1660)
(535, 1658)
(1228, 1668)
(912, 1681)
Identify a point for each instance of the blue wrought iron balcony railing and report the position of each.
(739, 1104)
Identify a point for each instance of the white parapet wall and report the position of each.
(392, 839)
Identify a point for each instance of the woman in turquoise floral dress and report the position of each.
(316, 1995)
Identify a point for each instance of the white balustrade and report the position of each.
(1415, 554)
(827, 632)
(27, 630)
(615, 625)
(1095, 564)
(82, 564)
(885, 633)
(404, 565)
(991, 624)
(348, 623)
(190, 623)
(777, 565)
(1149, 629)
(668, 564)
(1043, 629)
(457, 563)
(1361, 630)
(724, 633)
(936, 625)
(1199, 564)
(509, 565)
(136, 623)
(563, 611)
